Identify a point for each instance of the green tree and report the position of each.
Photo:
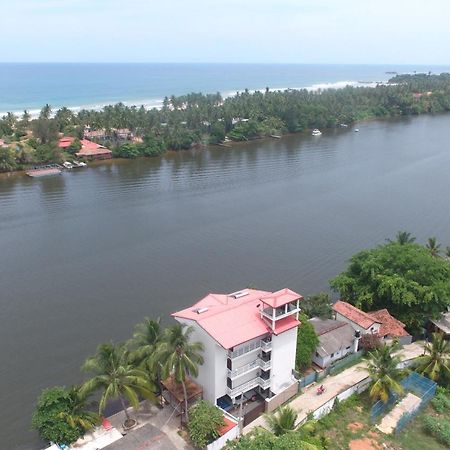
(46, 112)
(307, 342)
(116, 377)
(78, 413)
(317, 305)
(46, 130)
(382, 368)
(405, 279)
(179, 357)
(146, 337)
(435, 363)
(433, 246)
(282, 421)
(49, 417)
(7, 159)
(403, 237)
(447, 252)
(205, 423)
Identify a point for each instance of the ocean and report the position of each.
(31, 86)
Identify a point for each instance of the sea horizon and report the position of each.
(86, 85)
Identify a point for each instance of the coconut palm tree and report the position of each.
(403, 237)
(435, 363)
(433, 246)
(382, 368)
(179, 357)
(116, 377)
(79, 414)
(146, 337)
(283, 421)
(447, 252)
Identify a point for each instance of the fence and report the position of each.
(419, 385)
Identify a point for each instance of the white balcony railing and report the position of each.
(252, 346)
(251, 384)
(256, 364)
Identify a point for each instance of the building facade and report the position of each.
(249, 340)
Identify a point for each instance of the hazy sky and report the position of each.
(297, 31)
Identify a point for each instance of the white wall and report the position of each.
(327, 360)
(212, 375)
(283, 360)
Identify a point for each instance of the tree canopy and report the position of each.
(307, 342)
(205, 423)
(405, 278)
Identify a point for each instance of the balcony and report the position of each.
(265, 344)
(257, 364)
(255, 382)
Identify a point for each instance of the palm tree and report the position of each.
(179, 357)
(147, 335)
(435, 362)
(403, 237)
(383, 371)
(79, 415)
(433, 246)
(447, 252)
(116, 377)
(283, 421)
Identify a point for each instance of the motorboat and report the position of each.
(67, 165)
(79, 164)
(316, 132)
(356, 130)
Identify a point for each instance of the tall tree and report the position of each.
(383, 369)
(282, 421)
(433, 246)
(403, 237)
(146, 337)
(115, 377)
(46, 112)
(317, 305)
(435, 363)
(307, 342)
(179, 356)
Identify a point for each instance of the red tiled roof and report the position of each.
(232, 321)
(89, 148)
(281, 297)
(390, 326)
(65, 142)
(229, 425)
(354, 314)
(286, 324)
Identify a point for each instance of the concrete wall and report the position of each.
(327, 360)
(212, 375)
(274, 402)
(283, 360)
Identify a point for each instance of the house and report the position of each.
(249, 340)
(442, 325)
(123, 133)
(336, 340)
(91, 150)
(381, 322)
(65, 141)
(94, 134)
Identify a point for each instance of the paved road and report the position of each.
(334, 385)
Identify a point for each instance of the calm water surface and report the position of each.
(86, 255)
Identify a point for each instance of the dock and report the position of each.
(44, 171)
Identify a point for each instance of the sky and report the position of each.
(239, 31)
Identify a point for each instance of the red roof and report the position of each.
(354, 314)
(281, 297)
(65, 142)
(232, 321)
(89, 148)
(229, 425)
(390, 326)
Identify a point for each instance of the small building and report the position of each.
(336, 340)
(359, 320)
(95, 134)
(442, 325)
(92, 150)
(65, 142)
(249, 340)
(381, 322)
(123, 133)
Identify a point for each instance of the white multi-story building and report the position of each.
(250, 339)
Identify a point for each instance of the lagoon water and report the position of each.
(87, 254)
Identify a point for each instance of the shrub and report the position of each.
(307, 342)
(369, 342)
(441, 402)
(205, 420)
(438, 428)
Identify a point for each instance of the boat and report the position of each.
(316, 132)
(356, 130)
(44, 171)
(343, 125)
(79, 164)
(67, 165)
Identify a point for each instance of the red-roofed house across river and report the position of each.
(250, 340)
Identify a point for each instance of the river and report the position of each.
(86, 255)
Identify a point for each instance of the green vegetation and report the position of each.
(205, 423)
(307, 342)
(282, 421)
(382, 367)
(61, 416)
(435, 363)
(438, 424)
(179, 357)
(318, 305)
(201, 119)
(404, 277)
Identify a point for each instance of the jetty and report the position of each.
(44, 171)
